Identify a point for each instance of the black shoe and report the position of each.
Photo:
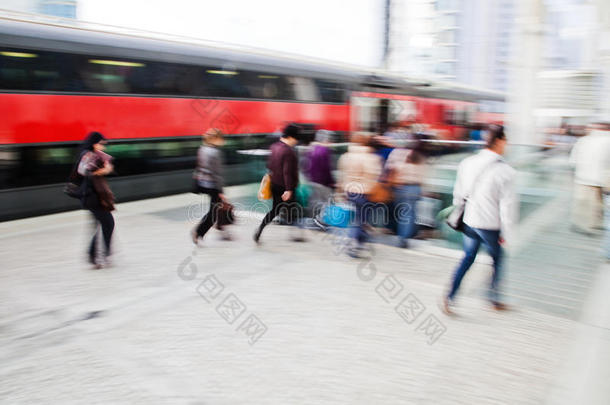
(257, 235)
(195, 236)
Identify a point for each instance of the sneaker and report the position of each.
(403, 243)
(320, 225)
(499, 306)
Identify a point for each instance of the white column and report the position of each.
(603, 55)
(524, 65)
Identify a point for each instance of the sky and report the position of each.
(349, 31)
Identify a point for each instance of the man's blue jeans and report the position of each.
(473, 238)
(361, 217)
(404, 208)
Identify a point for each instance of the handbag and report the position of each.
(455, 213)
(264, 191)
(74, 186)
(380, 193)
(226, 215)
(71, 189)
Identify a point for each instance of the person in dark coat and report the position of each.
(284, 171)
(97, 197)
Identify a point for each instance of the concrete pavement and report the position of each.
(233, 323)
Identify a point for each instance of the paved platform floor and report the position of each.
(279, 323)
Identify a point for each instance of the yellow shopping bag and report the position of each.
(264, 191)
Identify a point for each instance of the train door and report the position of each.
(383, 116)
(364, 114)
(376, 114)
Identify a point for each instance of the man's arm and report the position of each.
(458, 188)
(509, 208)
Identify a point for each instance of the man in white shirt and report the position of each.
(486, 182)
(591, 159)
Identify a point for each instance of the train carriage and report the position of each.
(152, 98)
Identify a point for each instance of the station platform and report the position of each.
(232, 322)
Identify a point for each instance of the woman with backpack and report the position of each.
(93, 166)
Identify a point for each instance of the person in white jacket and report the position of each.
(486, 182)
(591, 160)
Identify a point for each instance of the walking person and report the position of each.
(486, 182)
(284, 171)
(209, 181)
(407, 169)
(359, 171)
(93, 166)
(591, 159)
(318, 169)
(606, 242)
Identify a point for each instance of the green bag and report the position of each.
(302, 194)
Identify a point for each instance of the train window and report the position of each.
(24, 166)
(108, 75)
(28, 70)
(224, 83)
(330, 91)
(53, 71)
(267, 85)
(305, 89)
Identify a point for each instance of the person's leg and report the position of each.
(93, 244)
(411, 195)
(414, 196)
(210, 218)
(296, 218)
(367, 209)
(400, 210)
(277, 192)
(357, 230)
(106, 221)
(471, 247)
(491, 240)
(579, 207)
(597, 200)
(587, 211)
(606, 246)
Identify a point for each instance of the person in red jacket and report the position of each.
(284, 171)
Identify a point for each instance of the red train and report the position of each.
(153, 97)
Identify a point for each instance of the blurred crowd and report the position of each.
(378, 181)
